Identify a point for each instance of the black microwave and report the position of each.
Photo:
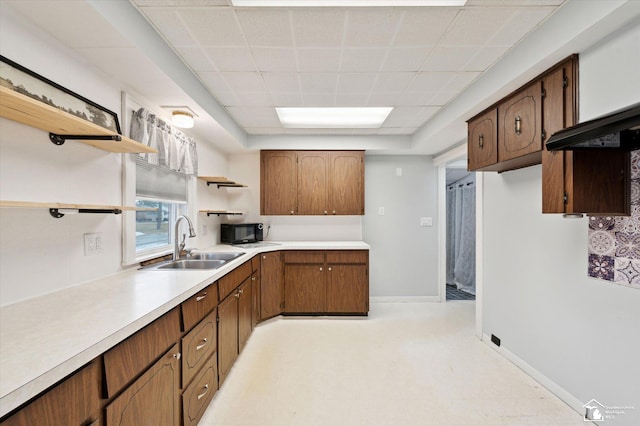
(239, 233)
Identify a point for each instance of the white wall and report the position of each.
(403, 256)
(580, 333)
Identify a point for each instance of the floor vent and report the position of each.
(495, 340)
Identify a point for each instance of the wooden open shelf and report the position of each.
(221, 212)
(82, 208)
(23, 109)
(221, 181)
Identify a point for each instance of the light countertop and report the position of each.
(44, 339)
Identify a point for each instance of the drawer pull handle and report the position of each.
(205, 340)
(237, 294)
(321, 269)
(199, 298)
(206, 391)
(518, 125)
(329, 268)
(253, 278)
(481, 141)
(177, 356)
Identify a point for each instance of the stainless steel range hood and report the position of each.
(618, 130)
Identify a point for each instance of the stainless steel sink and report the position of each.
(193, 264)
(226, 256)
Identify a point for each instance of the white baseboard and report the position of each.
(551, 386)
(404, 299)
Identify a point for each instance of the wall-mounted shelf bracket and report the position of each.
(224, 213)
(60, 139)
(58, 213)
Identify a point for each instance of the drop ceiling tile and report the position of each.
(373, 27)
(227, 98)
(394, 81)
(169, 23)
(244, 81)
(485, 57)
(460, 81)
(214, 26)
(318, 60)
(520, 24)
(318, 82)
(255, 116)
(442, 98)
(319, 99)
(318, 27)
(381, 99)
(196, 59)
(274, 59)
(248, 99)
(281, 99)
(405, 59)
(424, 26)
(476, 26)
(268, 27)
(215, 82)
(281, 82)
(231, 58)
(351, 99)
(409, 116)
(449, 58)
(430, 81)
(356, 82)
(362, 59)
(412, 98)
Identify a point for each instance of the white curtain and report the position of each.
(176, 151)
(461, 236)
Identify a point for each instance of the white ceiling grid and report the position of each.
(414, 59)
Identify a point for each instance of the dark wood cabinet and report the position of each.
(200, 392)
(348, 281)
(520, 125)
(197, 346)
(227, 335)
(75, 401)
(278, 183)
(271, 287)
(245, 305)
(196, 307)
(255, 291)
(153, 399)
(323, 183)
(483, 140)
(304, 282)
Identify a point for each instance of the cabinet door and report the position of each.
(245, 302)
(304, 288)
(482, 140)
(278, 183)
(255, 295)
(227, 335)
(153, 399)
(347, 289)
(197, 347)
(312, 183)
(73, 402)
(199, 394)
(346, 183)
(519, 124)
(271, 285)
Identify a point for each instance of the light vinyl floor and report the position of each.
(407, 364)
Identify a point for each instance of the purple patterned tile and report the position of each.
(635, 164)
(602, 243)
(601, 267)
(627, 271)
(635, 191)
(627, 245)
(602, 223)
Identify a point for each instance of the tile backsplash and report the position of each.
(614, 242)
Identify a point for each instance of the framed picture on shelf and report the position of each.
(24, 81)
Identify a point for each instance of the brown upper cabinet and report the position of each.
(483, 140)
(519, 125)
(312, 183)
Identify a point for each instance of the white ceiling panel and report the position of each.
(257, 116)
(196, 58)
(424, 26)
(318, 27)
(215, 82)
(449, 58)
(485, 57)
(319, 82)
(244, 81)
(282, 99)
(394, 81)
(176, 32)
(271, 59)
(412, 98)
(520, 24)
(363, 59)
(409, 116)
(356, 82)
(319, 99)
(430, 81)
(231, 58)
(210, 27)
(318, 60)
(281, 82)
(351, 99)
(476, 26)
(266, 27)
(371, 27)
(460, 80)
(406, 58)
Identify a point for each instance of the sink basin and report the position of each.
(193, 264)
(216, 256)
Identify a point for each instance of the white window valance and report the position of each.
(176, 150)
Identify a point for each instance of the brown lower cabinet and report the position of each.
(200, 392)
(227, 335)
(271, 288)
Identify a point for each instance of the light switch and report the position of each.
(380, 211)
(93, 244)
(426, 221)
(399, 171)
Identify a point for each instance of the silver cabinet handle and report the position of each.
(329, 267)
(237, 294)
(241, 291)
(321, 269)
(291, 211)
(205, 340)
(206, 390)
(264, 257)
(481, 141)
(518, 125)
(253, 278)
(334, 212)
(199, 298)
(177, 356)
(325, 212)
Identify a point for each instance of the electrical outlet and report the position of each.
(204, 230)
(93, 244)
(426, 221)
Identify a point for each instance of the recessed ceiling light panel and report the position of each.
(346, 3)
(333, 118)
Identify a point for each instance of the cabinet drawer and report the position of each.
(72, 402)
(347, 256)
(130, 357)
(153, 399)
(197, 346)
(198, 306)
(304, 256)
(197, 396)
(233, 279)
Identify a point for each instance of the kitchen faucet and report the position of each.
(179, 247)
